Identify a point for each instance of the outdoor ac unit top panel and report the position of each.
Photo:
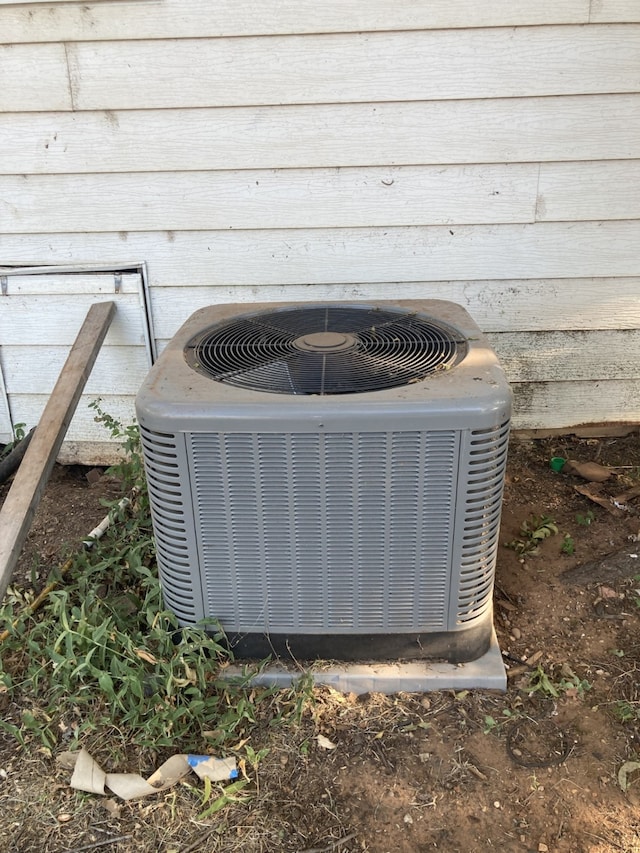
(473, 388)
(343, 525)
(325, 349)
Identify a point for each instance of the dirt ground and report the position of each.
(473, 771)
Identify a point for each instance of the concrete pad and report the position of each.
(485, 673)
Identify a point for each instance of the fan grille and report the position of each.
(324, 350)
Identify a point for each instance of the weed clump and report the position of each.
(103, 653)
(533, 531)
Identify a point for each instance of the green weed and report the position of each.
(533, 531)
(493, 725)
(103, 653)
(227, 795)
(627, 712)
(19, 432)
(553, 687)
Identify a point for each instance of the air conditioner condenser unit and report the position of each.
(326, 479)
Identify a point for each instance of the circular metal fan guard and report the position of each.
(324, 349)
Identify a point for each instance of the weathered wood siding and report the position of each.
(483, 152)
(41, 316)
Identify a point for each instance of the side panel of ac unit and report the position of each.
(359, 536)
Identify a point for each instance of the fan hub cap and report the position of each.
(324, 342)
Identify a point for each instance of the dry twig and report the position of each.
(113, 840)
(333, 846)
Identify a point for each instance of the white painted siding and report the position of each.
(355, 67)
(41, 316)
(483, 152)
(45, 87)
(591, 127)
(153, 19)
(597, 190)
(260, 199)
(5, 413)
(499, 306)
(322, 198)
(344, 255)
(614, 10)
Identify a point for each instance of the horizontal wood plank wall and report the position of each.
(34, 77)
(595, 190)
(320, 198)
(27, 408)
(576, 403)
(118, 369)
(624, 11)
(407, 66)
(343, 255)
(40, 317)
(487, 153)
(590, 127)
(300, 198)
(201, 18)
(346, 68)
(20, 314)
(497, 306)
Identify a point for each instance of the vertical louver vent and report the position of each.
(484, 480)
(168, 493)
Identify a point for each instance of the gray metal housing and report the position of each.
(367, 516)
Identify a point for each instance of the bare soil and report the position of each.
(473, 771)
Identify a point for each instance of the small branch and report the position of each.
(12, 460)
(332, 846)
(198, 843)
(606, 840)
(98, 844)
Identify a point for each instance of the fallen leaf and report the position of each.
(113, 808)
(629, 495)
(592, 471)
(143, 654)
(627, 768)
(325, 743)
(67, 760)
(606, 592)
(191, 674)
(591, 492)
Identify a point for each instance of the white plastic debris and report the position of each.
(90, 777)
